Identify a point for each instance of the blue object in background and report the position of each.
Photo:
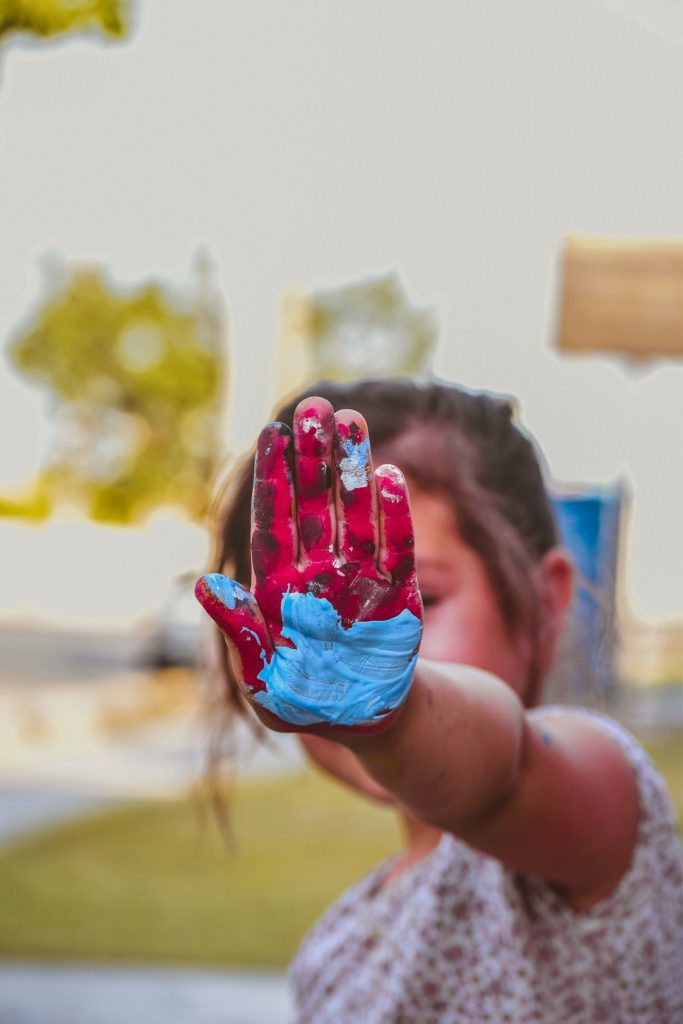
(589, 527)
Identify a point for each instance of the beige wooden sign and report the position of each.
(622, 296)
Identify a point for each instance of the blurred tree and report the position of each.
(33, 506)
(366, 328)
(46, 18)
(137, 383)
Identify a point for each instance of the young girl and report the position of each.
(542, 878)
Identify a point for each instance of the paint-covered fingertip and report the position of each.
(313, 427)
(275, 431)
(214, 589)
(351, 423)
(273, 444)
(314, 406)
(387, 471)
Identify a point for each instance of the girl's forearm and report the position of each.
(454, 753)
(343, 765)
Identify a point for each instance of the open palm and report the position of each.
(331, 631)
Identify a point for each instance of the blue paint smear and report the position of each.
(336, 675)
(354, 467)
(359, 453)
(228, 591)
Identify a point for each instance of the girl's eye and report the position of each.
(428, 600)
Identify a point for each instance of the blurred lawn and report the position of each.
(154, 882)
(667, 753)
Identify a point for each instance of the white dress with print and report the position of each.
(460, 939)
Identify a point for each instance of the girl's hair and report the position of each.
(462, 445)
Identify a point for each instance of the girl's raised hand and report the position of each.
(329, 637)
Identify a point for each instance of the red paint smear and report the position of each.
(273, 541)
(313, 438)
(314, 485)
(393, 491)
(358, 591)
(397, 556)
(356, 507)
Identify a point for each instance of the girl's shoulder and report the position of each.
(646, 773)
(657, 863)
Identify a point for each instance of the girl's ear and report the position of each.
(554, 579)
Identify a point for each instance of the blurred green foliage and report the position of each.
(369, 328)
(46, 18)
(34, 506)
(136, 381)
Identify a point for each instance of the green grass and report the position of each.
(155, 882)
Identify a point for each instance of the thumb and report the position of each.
(236, 612)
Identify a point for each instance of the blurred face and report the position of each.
(462, 621)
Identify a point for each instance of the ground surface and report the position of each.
(155, 882)
(67, 994)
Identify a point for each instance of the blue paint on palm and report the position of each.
(341, 676)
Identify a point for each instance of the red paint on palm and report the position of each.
(319, 526)
(325, 539)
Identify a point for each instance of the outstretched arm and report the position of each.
(553, 797)
(327, 644)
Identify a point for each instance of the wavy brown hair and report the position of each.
(447, 440)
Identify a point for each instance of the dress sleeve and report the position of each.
(635, 934)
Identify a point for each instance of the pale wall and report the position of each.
(312, 142)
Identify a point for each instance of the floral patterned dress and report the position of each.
(458, 938)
